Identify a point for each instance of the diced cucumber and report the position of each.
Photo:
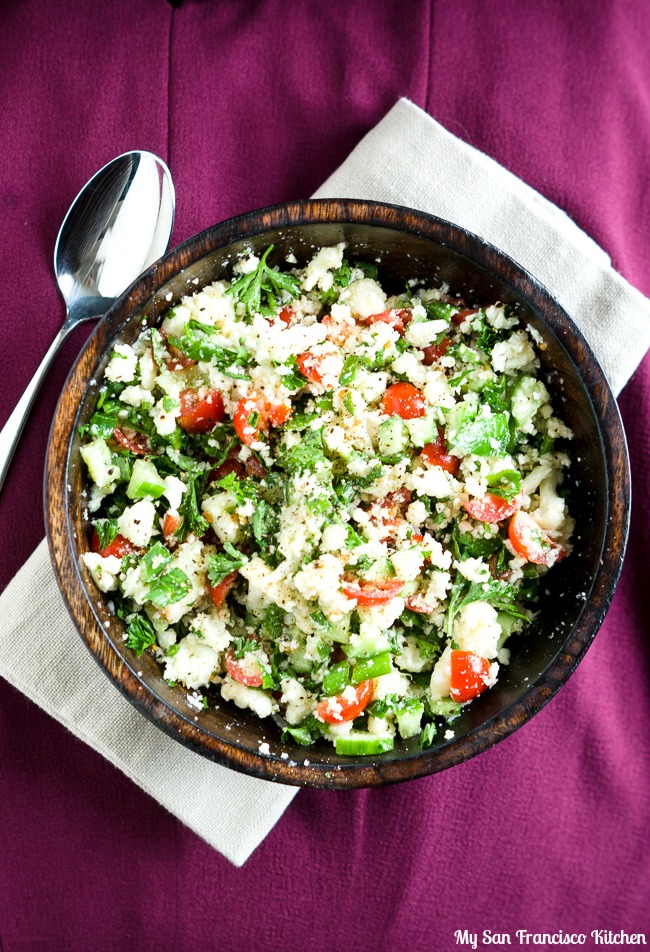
(367, 644)
(392, 436)
(444, 707)
(423, 429)
(336, 442)
(409, 715)
(508, 625)
(299, 660)
(460, 415)
(479, 378)
(337, 678)
(340, 630)
(372, 667)
(528, 396)
(145, 481)
(99, 460)
(382, 569)
(468, 355)
(360, 743)
(409, 588)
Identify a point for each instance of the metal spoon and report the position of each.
(118, 225)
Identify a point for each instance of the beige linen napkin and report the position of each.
(407, 159)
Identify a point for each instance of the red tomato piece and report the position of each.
(248, 430)
(170, 525)
(461, 316)
(531, 542)
(286, 315)
(218, 592)
(119, 547)
(469, 675)
(336, 710)
(254, 467)
(396, 317)
(435, 351)
(403, 400)
(491, 508)
(309, 365)
(136, 443)
(278, 413)
(338, 331)
(373, 593)
(417, 603)
(200, 415)
(244, 672)
(178, 360)
(435, 454)
(228, 466)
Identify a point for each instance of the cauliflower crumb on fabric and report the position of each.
(324, 502)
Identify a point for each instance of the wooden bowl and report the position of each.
(579, 590)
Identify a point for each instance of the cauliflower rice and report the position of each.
(329, 505)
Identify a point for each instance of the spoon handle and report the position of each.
(13, 427)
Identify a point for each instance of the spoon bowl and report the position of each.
(117, 226)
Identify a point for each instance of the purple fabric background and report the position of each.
(253, 103)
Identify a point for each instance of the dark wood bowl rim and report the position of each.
(410, 765)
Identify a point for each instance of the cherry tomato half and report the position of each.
(200, 415)
(435, 454)
(177, 359)
(491, 508)
(373, 593)
(531, 542)
(170, 525)
(469, 675)
(403, 400)
(136, 443)
(218, 592)
(336, 710)
(461, 316)
(278, 413)
(418, 603)
(396, 317)
(287, 316)
(244, 672)
(435, 351)
(250, 417)
(309, 366)
(118, 547)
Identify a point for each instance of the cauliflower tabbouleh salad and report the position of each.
(331, 505)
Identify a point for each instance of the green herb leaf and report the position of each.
(242, 645)
(192, 522)
(308, 455)
(260, 290)
(506, 483)
(197, 345)
(155, 561)
(170, 588)
(106, 531)
(497, 593)
(265, 524)
(485, 435)
(293, 380)
(350, 367)
(428, 735)
(140, 635)
(439, 310)
(223, 564)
